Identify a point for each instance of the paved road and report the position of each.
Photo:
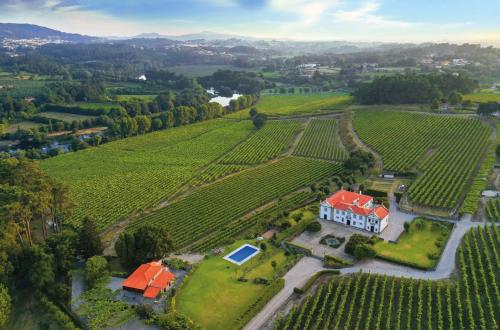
(296, 277)
(308, 266)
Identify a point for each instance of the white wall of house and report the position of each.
(358, 221)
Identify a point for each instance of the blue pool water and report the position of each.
(242, 254)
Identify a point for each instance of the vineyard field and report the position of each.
(493, 209)
(116, 179)
(213, 206)
(321, 140)
(432, 145)
(265, 144)
(364, 301)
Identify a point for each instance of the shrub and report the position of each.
(334, 262)
(364, 251)
(144, 311)
(263, 246)
(407, 226)
(297, 216)
(314, 227)
(354, 241)
(95, 268)
(261, 280)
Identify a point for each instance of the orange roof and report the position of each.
(381, 212)
(142, 276)
(163, 280)
(151, 292)
(348, 197)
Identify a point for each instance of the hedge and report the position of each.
(375, 193)
(313, 279)
(297, 249)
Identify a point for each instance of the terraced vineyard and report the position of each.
(365, 301)
(118, 178)
(213, 206)
(265, 144)
(321, 140)
(493, 209)
(213, 172)
(446, 149)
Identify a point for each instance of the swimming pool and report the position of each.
(242, 254)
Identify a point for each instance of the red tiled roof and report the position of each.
(140, 278)
(151, 292)
(381, 212)
(348, 197)
(163, 280)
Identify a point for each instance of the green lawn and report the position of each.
(421, 247)
(297, 104)
(485, 96)
(67, 117)
(214, 298)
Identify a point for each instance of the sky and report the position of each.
(311, 20)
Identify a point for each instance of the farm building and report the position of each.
(355, 210)
(149, 279)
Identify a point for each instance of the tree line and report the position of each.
(414, 89)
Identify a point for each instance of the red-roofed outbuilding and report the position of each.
(149, 279)
(356, 210)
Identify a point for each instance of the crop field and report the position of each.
(218, 204)
(20, 87)
(199, 70)
(482, 97)
(95, 105)
(116, 179)
(430, 144)
(321, 140)
(493, 210)
(12, 128)
(265, 144)
(142, 97)
(67, 117)
(365, 301)
(298, 104)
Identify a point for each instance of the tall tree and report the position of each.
(5, 305)
(89, 241)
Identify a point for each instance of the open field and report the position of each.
(365, 301)
(421, 246)
(321, 140)
(145, 97)
(430, 145)
(12, 128)
(67, 117)
(216, 205)
(264, 144)
(213, 296)
(299, 104)
(481, 97)
(116, 179)
(199, 70)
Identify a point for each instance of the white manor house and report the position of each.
(355, 210)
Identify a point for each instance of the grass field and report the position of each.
(365, 301)
(430, 145)
(214, 298)
(111, 181)
(12, 128)
(421, 246)
(196, 70)
(481, 97)
(95, 105)
(264, 144)
(217, 205)
(67, 117)
(144, 97)
(286, 105)
(321, 140)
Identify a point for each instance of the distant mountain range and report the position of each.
(31, 31)
(206, 35)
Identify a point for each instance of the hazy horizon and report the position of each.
(298, 20)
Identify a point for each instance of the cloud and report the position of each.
(366, 13)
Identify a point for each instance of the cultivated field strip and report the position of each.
(112, 181)
(445, 149)
(228, 232)
(213, 172)
(321, 140)
(265, 144)
(364, 301)
(215, 205)
(493, 209)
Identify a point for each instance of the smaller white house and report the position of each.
(355, 210)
